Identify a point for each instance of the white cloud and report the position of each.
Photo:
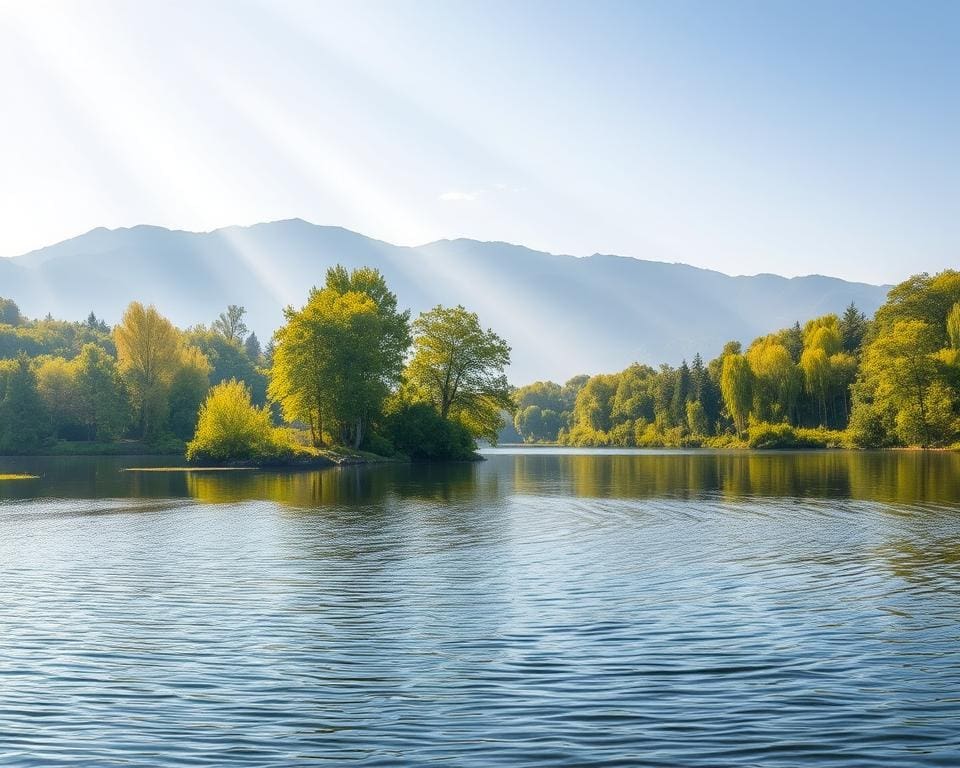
(456, 196)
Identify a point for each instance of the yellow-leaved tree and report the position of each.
(230, 426)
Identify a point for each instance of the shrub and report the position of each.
(417, 430)
(764, 435)
(230, 426)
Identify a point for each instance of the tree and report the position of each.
(953, 326)
(228, 360)
(853, 328)
(148, 352)
(9, 312)
(899, 369)
(776, 383)
(459, 368)
(336, 359)
(230, 426)
(188, 388)
(924, 298)
(736, 386)
(815, 365)
(541, 411)
(24, 424)
(230, 324)
(57, 387)
(252, 347)
(103, 408)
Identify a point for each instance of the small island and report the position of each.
(348, 379)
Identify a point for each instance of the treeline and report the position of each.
(347, 369)
(143, 380)
(890, 381)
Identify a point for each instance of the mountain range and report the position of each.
(562, 315)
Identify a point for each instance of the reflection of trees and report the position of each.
(346, 486)
(890, 476)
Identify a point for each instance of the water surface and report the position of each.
(539, 608)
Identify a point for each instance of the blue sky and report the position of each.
(805, 137)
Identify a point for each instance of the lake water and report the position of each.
(539, 608)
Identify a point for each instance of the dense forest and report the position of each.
(893, 380)
(348, 369)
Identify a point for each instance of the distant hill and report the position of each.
(563, 315)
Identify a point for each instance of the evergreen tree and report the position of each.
(24, 423)
(853, 327)
(252, 348)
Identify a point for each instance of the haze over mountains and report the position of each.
(562, 315)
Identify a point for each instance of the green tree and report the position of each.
(899, 369)
(188, 388)
(736, 386)
(103, 408)
(459, 368)
(252, 347)
(57, 386)
(9, 312)
(775, 377)
(953, 326)
(336, 359)
(230, 324)
(853, 328)
(24, 423)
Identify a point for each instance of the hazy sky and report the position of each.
(742, 136)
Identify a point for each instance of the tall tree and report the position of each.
(736, 385)
(9, 312)
(252, 347)
(953, 326)
(853, 328)
(103, 407)
(24, 423)
(459, 367)
(900, 371)
(336, 359)
(230, 324)
(148, 352)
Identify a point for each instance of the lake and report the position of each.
(544, 607)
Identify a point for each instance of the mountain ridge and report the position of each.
(563, 314)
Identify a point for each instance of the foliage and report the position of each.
(231, 427)
(459, 368)
(420, 432)
(337, 358)
(103, 408)
(188, 387)
(9, 312)
(544, 408)
(230, 326)
(24, 423)
(736, 385)
(148, 353)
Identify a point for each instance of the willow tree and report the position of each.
(459, 368)
(775, 377)
(953, 326)
(148, 355)
(736, 386)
